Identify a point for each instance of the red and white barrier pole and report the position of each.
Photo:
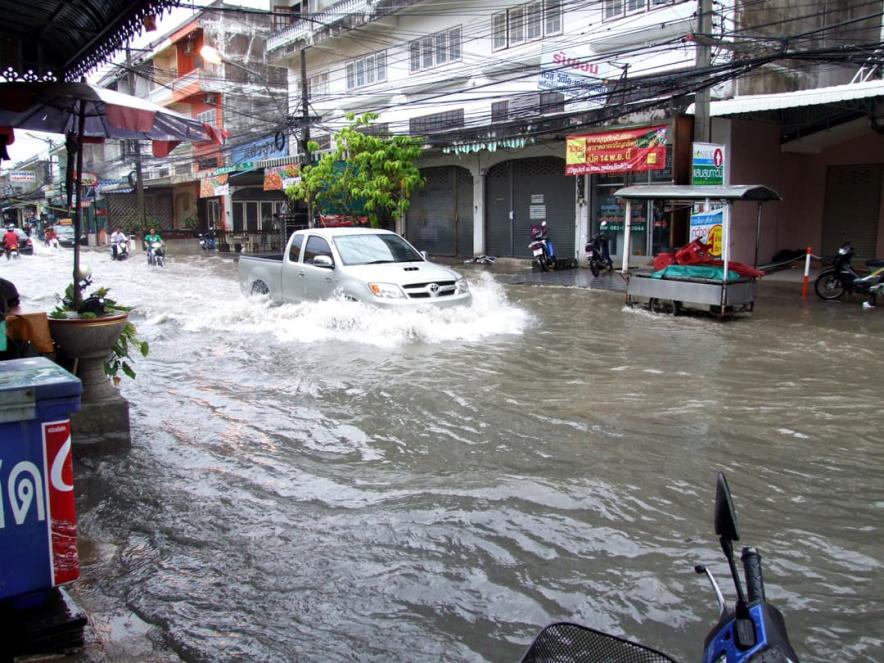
(806, 273)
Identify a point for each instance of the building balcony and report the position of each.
(193, 82)
(339, 17)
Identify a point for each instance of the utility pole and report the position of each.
(306, 157)
(702, 123)
(139, 179)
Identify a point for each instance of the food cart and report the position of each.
(723, 296)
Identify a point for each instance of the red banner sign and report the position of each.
(63, 518)
(624, 151)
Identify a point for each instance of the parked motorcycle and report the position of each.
(156, 255)
(542, 247)
(753, 631)
(841, 277)
(207, 241)
(598, 254)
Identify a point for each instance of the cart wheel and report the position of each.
(664, 306)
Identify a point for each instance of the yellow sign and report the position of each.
(713, 239)
(575, 151)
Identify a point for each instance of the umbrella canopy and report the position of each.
(55, 108)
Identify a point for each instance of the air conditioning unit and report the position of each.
(211, 99)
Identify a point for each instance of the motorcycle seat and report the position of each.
(875, 262)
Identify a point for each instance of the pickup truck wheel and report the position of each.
(260, 288)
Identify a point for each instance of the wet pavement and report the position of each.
(328, 482)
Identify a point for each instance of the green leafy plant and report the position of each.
(365, 175)
(98, 305)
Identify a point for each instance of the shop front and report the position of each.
(440, 217)
(611, 160)
(522, 192)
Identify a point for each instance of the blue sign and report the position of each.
(264, 148)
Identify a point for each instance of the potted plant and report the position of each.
(98, 337)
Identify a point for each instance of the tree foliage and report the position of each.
(365, 175)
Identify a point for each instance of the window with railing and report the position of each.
(614, 9)
(208, 117)
(435, 50)
(425, 124)
(367, 70)
(528, 105)
(283, 15)
(527, 22)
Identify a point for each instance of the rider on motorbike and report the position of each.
(118, 240)
(10, 241)
(153, 244)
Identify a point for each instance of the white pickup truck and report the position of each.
(364, 264)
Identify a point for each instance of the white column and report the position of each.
(478, 209)
(627, 229)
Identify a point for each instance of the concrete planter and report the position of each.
(103, 419)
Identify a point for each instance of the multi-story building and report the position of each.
(229, 87)
(496, 89)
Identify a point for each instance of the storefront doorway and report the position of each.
(440, 218)
(525, 191)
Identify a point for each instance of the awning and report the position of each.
(814, 97)
(755, 192)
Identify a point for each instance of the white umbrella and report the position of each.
(86, 113)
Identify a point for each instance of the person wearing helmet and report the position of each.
(10, 240)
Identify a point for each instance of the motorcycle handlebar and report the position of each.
(752, 568)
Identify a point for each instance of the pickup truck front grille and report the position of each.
(429, 290)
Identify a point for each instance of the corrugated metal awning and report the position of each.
(755, 192)
(814, 97)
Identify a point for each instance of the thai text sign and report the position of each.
(628, 150)
(38, 523)
(707, 164)
(22, 176)
(707, 227)
(572, 72)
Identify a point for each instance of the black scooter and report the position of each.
(841, 277)
(753, 631)
(598, 254)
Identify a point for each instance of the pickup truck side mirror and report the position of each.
(323, 261)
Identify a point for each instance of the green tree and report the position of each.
(365, 175)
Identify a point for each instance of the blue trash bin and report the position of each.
(38, 523)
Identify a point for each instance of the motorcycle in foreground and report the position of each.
(598, 254)
(542, 247)
(841, 277)
(156, 255)
(753, 631)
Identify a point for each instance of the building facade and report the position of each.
(495, 90)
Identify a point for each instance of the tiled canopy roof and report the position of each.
(64, 39)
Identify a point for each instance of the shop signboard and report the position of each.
(708, 164)
(624, 151)
(572, 72)
(214, 186)
(23, 176)
(263, 148)
(279, 178)
(707, 227)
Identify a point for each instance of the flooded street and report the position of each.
(328, 482)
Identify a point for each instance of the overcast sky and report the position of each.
(30, 143)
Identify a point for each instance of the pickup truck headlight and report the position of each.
(461, 286)
(386, 290)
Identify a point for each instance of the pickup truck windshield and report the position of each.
(374, 249)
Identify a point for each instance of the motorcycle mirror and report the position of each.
(726, 526)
